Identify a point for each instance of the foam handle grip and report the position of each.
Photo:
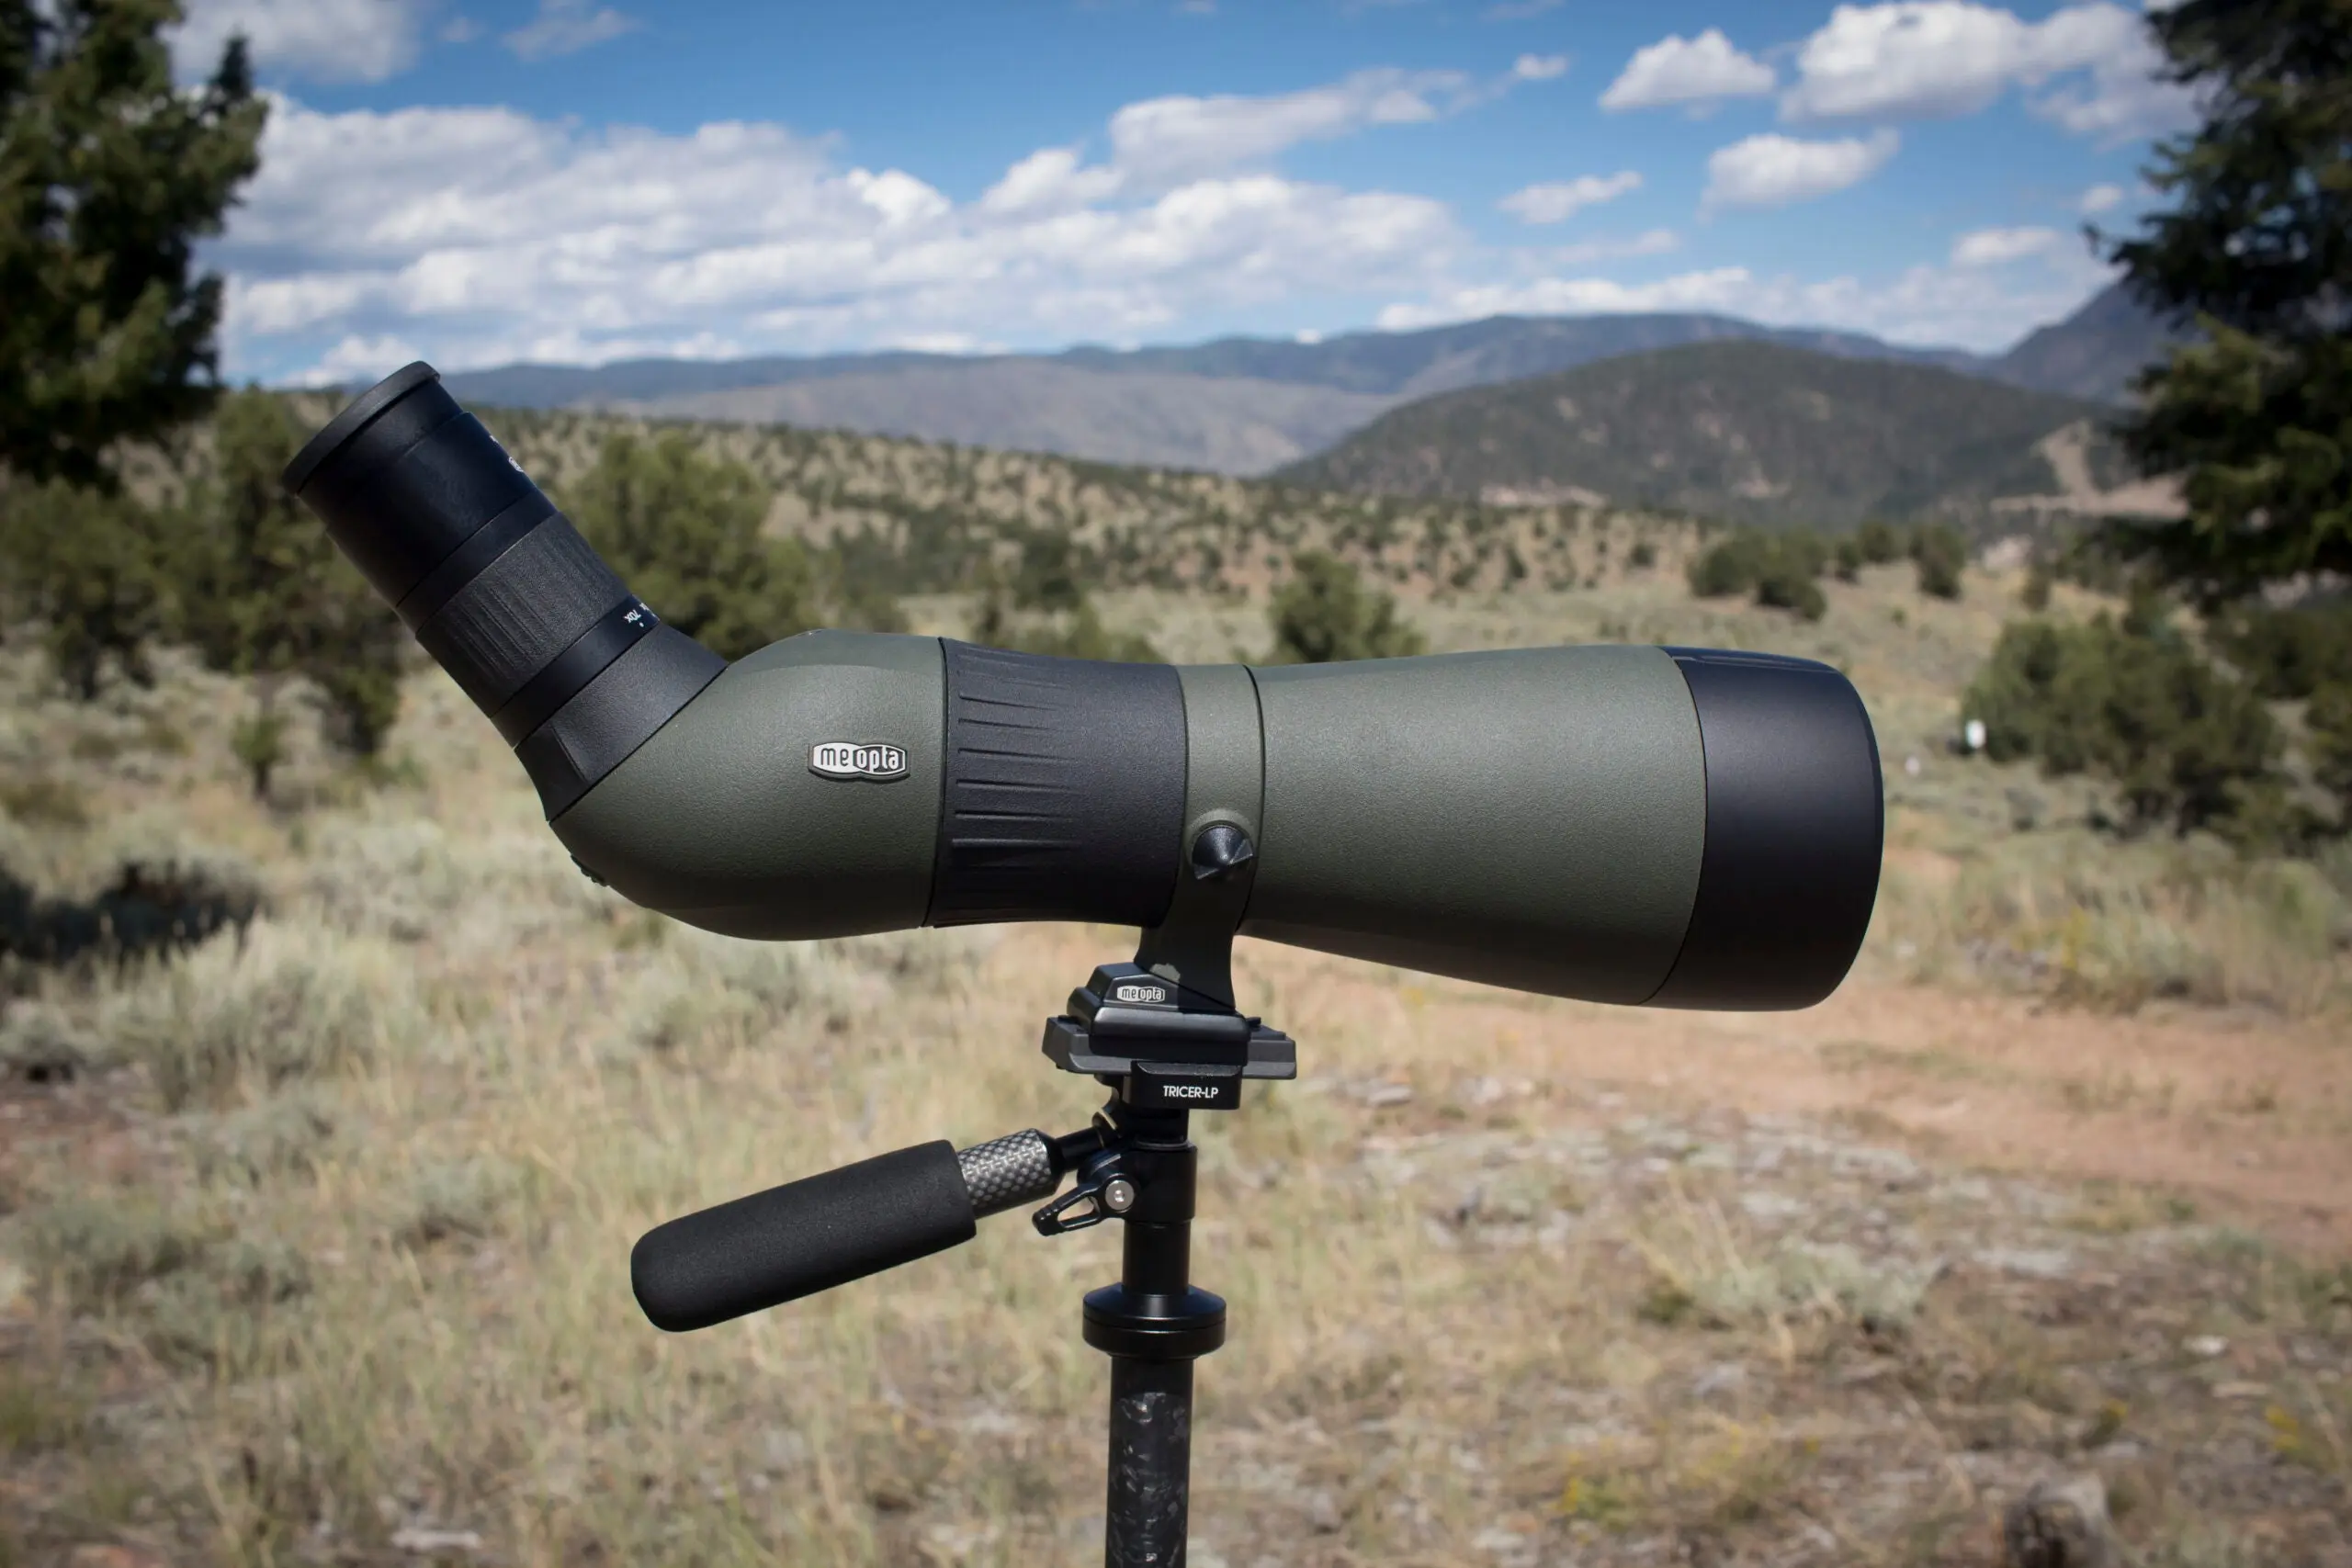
(802, 1237)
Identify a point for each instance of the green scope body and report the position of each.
(1674, 827)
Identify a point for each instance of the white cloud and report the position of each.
(1555, 201)
(566, 27)
(945, 343)
(1924, 305)
(323, 41)
(1774, 171)
(1999, 247)
(1935, 58)
(1174, 138)
(899, 197)
(1539, 67)
(2100, 199)
(1050, 179)
(477, 236)
(275, 305)
(358, 360)
(1718, 289)
(1676, 70)
(1651, 242)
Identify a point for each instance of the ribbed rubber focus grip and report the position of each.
(1063, 794)
(802, 1237)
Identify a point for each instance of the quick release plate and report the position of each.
(1167, 1048)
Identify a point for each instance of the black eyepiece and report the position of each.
(495, 583)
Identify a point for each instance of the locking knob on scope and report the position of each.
(1219, 850)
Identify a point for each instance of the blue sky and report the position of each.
(480, 181)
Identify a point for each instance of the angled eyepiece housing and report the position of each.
(573, 669)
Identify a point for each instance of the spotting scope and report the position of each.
(1675, 827)
(1672, 826)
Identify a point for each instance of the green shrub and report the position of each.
(1939, 554)
(1726, 568)
(285, 1004)
(1789, 577)
(2289, 653)
(90, 569)
(1782, 571)
(1847, 560)
(684, 531)
(1051, 575)
(100, 1248)
(2134, 704)
(1880, 542)
(453, 1199)
(281, 1136)
(1325, 615)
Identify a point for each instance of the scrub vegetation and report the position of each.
(319, 1182)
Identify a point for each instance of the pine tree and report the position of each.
(2257, 249)
(108, 176)
(91, 569)
(268, 596)
(684, 531)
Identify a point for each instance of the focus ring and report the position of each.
(521, 612)
(1063, 797)
(489, 542)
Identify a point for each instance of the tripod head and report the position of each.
(1165, 1051)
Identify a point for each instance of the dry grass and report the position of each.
(327, 1246)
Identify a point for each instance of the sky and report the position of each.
(479, 182)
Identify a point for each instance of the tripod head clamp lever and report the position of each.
(1104, 1191)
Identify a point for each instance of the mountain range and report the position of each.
(1247, 405)
(1749, 430)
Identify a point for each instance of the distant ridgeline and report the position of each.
(1240, 405)
(1747, 432)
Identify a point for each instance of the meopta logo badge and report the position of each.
(857, 760)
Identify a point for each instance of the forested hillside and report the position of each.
(1750, 431)
(928, 514)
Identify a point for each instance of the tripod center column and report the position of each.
(1154, 1324)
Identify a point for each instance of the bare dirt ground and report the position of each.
(2244, 1114)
